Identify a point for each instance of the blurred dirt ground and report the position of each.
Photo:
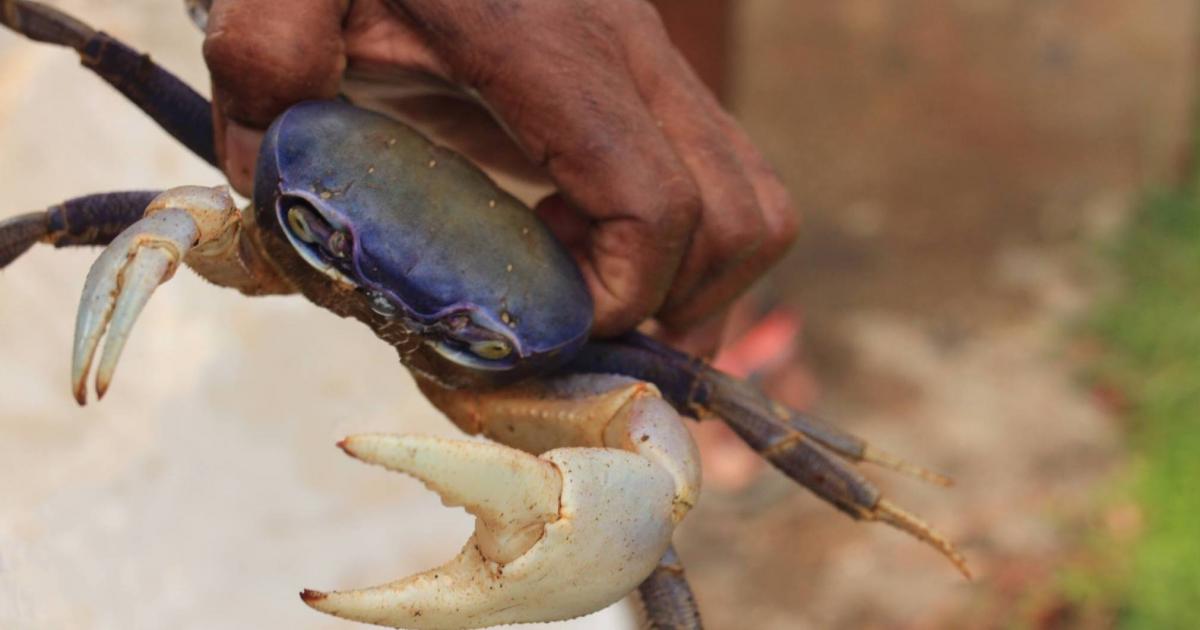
(956, 162)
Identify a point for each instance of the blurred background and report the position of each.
(997, 278)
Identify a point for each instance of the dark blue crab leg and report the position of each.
(844, 444)
(667, 600)
(87, 220)
(800, 448)
(177, 108)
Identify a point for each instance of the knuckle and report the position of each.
(741, 234)
(780, 216)
(630, 179)
(642, 13)
(259, 74)
(786, 229)
(782, 229)
(624, 296)
(222, 53)
(680, 204)
(623, 314)
(623, 19)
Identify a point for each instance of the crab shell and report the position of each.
(433, 241)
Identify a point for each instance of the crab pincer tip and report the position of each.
(344, 444)
(309, 596)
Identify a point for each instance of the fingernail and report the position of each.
(241, 151)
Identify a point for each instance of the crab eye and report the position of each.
(338, 244)
(299, 225)
(491, 349)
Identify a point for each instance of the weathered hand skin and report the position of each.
(663, 201)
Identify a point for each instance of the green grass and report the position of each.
(1152, 331)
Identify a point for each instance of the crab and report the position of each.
(589, 467)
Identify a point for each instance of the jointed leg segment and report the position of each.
(87, 220)
(801, 448)
(667, 600)
(177, 108)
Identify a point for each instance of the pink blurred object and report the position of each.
(768, 344)
(767, 350)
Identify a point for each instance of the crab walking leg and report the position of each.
(87, 220)
(129, 270)
(688, 382)
(573, 518)
(804, 451)
(809, 463)
(667, 600)
(177, 108)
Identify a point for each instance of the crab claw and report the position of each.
(122, 279)
(556, 536)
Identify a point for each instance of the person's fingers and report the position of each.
(263, 56)
(702, 340)
(724, 252)
(566, 222)
(571, 227)
(780, 226)
(567, 98)
(780, 214)
(730, 271)
(238, 146)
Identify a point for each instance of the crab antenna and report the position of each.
(177, 108)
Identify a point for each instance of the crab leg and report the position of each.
(177, 108)
(140, 258)
(87, 220)
(802, 448)
(667, 600)
(570, 520)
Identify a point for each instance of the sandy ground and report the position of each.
(955, 160)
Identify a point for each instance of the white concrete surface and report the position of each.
(205, 491)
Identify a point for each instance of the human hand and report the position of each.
(663, 201)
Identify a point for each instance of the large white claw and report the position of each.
(122, 279)
(556, 536)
